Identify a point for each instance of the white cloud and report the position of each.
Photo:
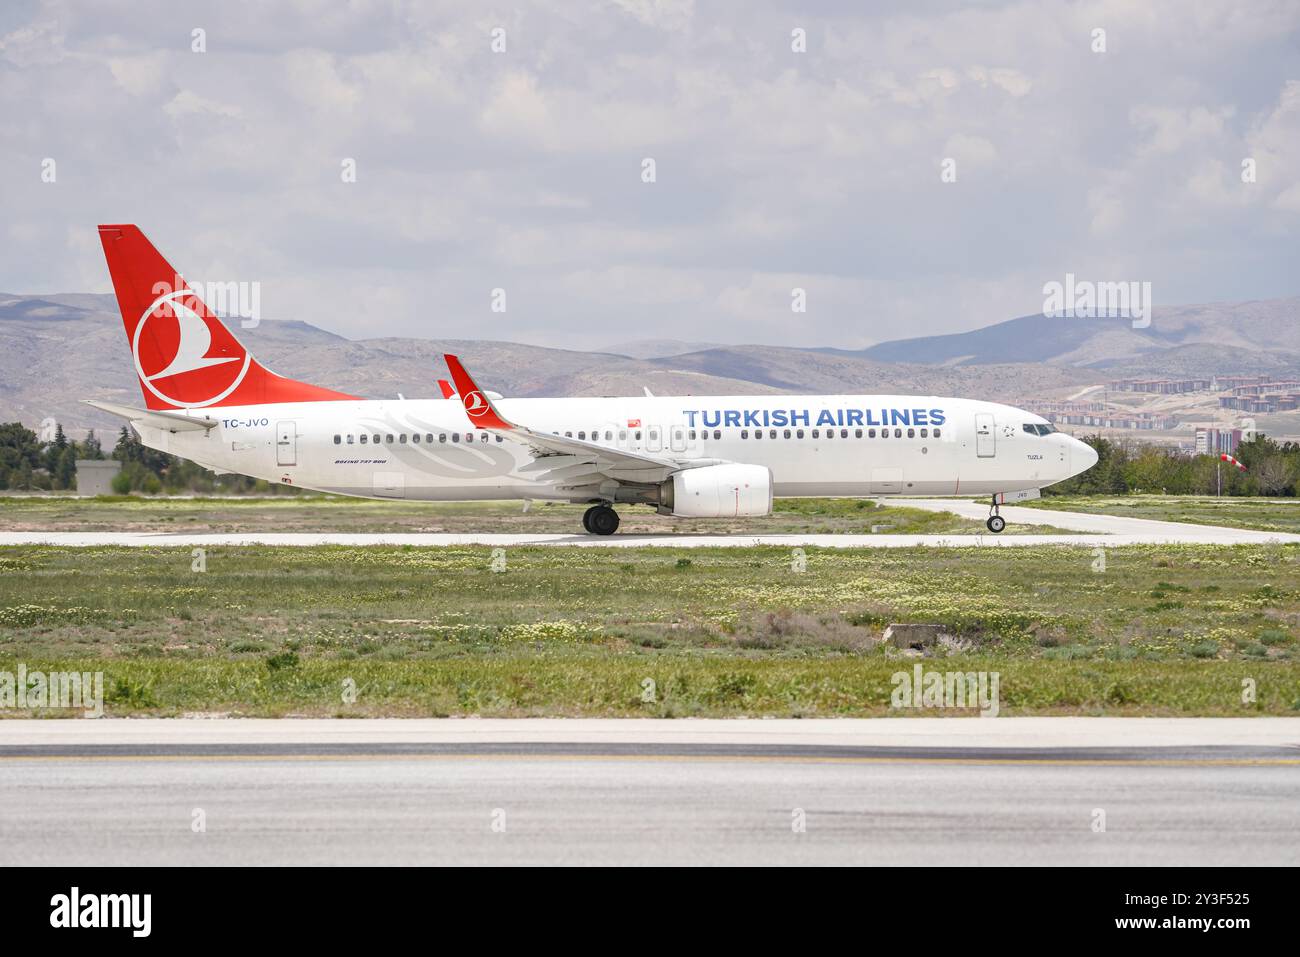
(776, 168)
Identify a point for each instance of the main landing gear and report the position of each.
(995, 522)
(600, 520)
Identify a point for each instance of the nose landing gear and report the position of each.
(995, 521)
(600, 520)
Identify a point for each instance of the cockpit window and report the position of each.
(1039, 428)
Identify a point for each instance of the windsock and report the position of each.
(1225, 457)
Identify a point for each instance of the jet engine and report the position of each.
(718, 491)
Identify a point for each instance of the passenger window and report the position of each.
(363, 440)
(568, 435)
(799, 434)
(609, 436)
(637, 435)
(582, 435)
(469, 436)
(898, 433)
(717, 433)
(786, 434)
(442, 436)
(884, 433)
(338, 440)
(377, 438)
(401, 439)
(758, 433)
(416, 438)
(771, 434)
(871, 433)
(911, 433)
(744, 433)
(622, 435)
(830, 433)
(857, 433)
(499, 440)
(484, 438)
(936, 433)
(455, 436)
(350, 439)
(429, 438)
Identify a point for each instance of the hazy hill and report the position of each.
(58, 349)
(1181, 340)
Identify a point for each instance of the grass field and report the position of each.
(312, 513)
(1263, 514)
(712, 631)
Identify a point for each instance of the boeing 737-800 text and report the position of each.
(207, 399)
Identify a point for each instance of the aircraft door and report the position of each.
(985, 438)
(677, 436)
(654, 439)
(286, 443)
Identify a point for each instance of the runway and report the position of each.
(1085, 530)
(891, 791)
(1205, 535)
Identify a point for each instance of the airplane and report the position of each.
(207, 399)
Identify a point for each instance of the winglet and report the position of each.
(482, 413)
(448, 392)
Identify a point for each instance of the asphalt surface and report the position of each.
(1085, 529)
(894, 791)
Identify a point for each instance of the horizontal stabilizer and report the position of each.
(157, 418)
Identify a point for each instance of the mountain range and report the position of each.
(58, 349)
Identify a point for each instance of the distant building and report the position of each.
(1265, 397)
(95, 476)
(1160, 386)
(1112, 419)
(1211, 441)
(1226, 383)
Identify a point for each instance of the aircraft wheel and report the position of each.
(996, 523)
(586, 518)
(604, 520)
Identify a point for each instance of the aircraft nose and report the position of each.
(1082, 456)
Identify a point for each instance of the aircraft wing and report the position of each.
(558, 459)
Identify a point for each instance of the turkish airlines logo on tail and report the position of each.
(174, 361)
(475, 405)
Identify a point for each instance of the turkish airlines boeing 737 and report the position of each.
(207, 399)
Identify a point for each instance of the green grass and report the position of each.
(1262, 514)
(523, 684)
(725, 630)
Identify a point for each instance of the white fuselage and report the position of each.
(931, 445)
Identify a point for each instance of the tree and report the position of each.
(20, 454)
(90, 448)
(65, 470)
(1275, 475)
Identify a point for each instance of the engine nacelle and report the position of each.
(720, 491)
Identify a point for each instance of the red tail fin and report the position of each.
(184, 356)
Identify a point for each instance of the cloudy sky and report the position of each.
(774, 169)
